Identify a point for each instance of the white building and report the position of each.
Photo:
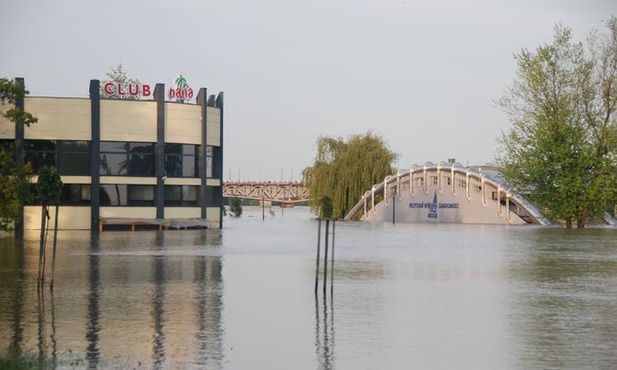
(445, 193)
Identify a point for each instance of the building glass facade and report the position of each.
(148, 160)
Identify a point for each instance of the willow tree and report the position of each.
(562, 146)
(344, 170)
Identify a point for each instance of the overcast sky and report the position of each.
(422, 74)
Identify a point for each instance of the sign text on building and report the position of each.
(181, 91)
(133, 90)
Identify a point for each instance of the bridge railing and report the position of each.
(267, 190)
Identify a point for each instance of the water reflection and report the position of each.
(407, 296)
(324, 330)
(101, 284)
(12, 294)
(324, 325)
(93, 313)
(565, 314)
(158, 299)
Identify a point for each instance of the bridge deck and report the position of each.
(289, 192)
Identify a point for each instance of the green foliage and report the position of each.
(14, 187)
(235, 207)
(49, 185)
(119, 75)
(22, 363)
(343, 170)
(10, 93)
(14, 176)
(325, 207)
(562, 146)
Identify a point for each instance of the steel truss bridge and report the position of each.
(284, 192)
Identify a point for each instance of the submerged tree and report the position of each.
(235, 207)
(562, 146)
(14, 174)
(343, 170)
(49, 189)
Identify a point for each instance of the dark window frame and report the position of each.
(62, 154)
(131, 159)
(181, 196)
(181, 160)
(124, 195)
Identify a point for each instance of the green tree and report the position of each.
(343, 170)
(14, 175)
(11, 92)
(235, 207)
(562, 146)
(49, 185)
(119, 75)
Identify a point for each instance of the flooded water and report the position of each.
(404, 296)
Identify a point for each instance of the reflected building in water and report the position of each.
(154, 308)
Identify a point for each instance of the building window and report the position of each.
(127, 195)
(75, 194)
(434, 180)
(7, 144)
(209, 151)
(71, 158)
(126, 159)
(72, 195)
(40, 153)
(181, 195)
(208, 162)
(211, 192)
(140, 195)
(180, 160)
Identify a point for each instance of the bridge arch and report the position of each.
(446, 192)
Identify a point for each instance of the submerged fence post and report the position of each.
(332, 260)
(318, 248)
(53, 256)
(394, 209)
(325, 258)
(327, 237)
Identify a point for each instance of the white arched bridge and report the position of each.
(272, 191)
(446, 192)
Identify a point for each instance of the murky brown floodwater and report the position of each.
(405, 296)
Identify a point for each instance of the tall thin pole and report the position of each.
(42, 244)
(332, 261)
(394, 209)
(325, 267)
(53, 256)
(318, 248)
